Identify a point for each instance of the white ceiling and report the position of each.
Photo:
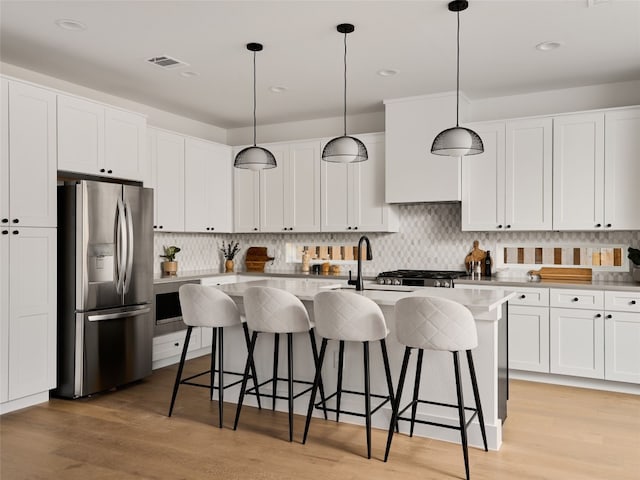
(303, 51)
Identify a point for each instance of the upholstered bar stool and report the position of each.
(204, 306)
(272, 310)
(349, 317)
(426, 323)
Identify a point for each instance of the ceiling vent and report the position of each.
(165, 61)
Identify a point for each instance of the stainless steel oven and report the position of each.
(167, 313)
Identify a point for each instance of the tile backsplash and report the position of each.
(430, 237)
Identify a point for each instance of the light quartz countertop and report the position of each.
(478, 301)
(492, 281)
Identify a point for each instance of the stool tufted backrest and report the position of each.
(435, 324)
(341, 315)
(204, 306)
(274, 310)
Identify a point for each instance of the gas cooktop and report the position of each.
(423, 278)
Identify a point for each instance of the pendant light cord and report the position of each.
(458, 74)
(345, 85)
(254, 99)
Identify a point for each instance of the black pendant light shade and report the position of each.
(254, 157)
(457, 141)
(345, 149)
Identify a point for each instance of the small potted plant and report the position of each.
(170, 266)
(634, 256)
(229, 251)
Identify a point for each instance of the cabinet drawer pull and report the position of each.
(608, 225)
(632, 302)
(508, 226)
(575, 299)
(523, 296)
(5, 220)
(255, 229)
(609, 316)
(109, 171)
(176, 344)
(15, 232)
(102, 170)
(15, 220)
(5, 232)
(598, 225)
(499, 226)
(598, 315)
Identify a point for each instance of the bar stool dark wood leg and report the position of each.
(463, 422)
(339, 389)
(314, 349)
(416, 390)
(245, 329)
(214, 333)
(220, 375)
(243, 388)
(183, 356)
(290, 382)
(276, 354)
(367, 397)
(316, 383)
(396, 405)
(476, 394)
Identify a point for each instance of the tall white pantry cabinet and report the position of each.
(28, 244)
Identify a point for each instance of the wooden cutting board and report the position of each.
(555, 273)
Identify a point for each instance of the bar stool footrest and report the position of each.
(323, 405)
(436, 424)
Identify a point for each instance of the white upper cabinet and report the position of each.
(28, 156)
(124, 144)
(281, 199)
(207, 186)
(509, 186)
(578, 172)
(483, 181)
(167, 167)
(352, 195)
(98, 140)
(596, 169)
(622, 169)
(413, 173)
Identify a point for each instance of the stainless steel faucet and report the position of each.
(358, 282)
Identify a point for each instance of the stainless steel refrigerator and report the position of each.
(105, 286)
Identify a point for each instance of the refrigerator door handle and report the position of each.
(116, 315)
(121, 246)
(127, 274)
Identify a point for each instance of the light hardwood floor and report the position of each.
(552, 433)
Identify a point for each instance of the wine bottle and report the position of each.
(487, 264)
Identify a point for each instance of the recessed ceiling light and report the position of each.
(546, 46)
(189, 74)
(276, 89)
(69, 24)
(387, 72)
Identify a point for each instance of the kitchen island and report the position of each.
(489, 310)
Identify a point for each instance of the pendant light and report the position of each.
(254, 157)
(345, 149)
(457, 141)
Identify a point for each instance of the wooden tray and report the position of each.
(556, 273)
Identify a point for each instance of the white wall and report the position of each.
(556, 101)
(155, 117)
(322, 127)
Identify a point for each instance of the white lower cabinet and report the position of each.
(576, 342)
(27, 313)
(529, 338)
(171, 344)
(622, 336)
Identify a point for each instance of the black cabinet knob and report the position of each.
(608, 225)
(161, 226)
(499, 226)
(598, 225)
(355, 228)
(5, 232)
(212, 229)
(109, 171)
(176, 344)
(255, 229)
(348, 228)
(609, 316)
(632, 302)
(102, 170)
(575, 299)
(523, 296)
(598, 315)
(155, 226)
(5, 220)
(15, 232)
(508, 226)
(15, 220)
(207, 228)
